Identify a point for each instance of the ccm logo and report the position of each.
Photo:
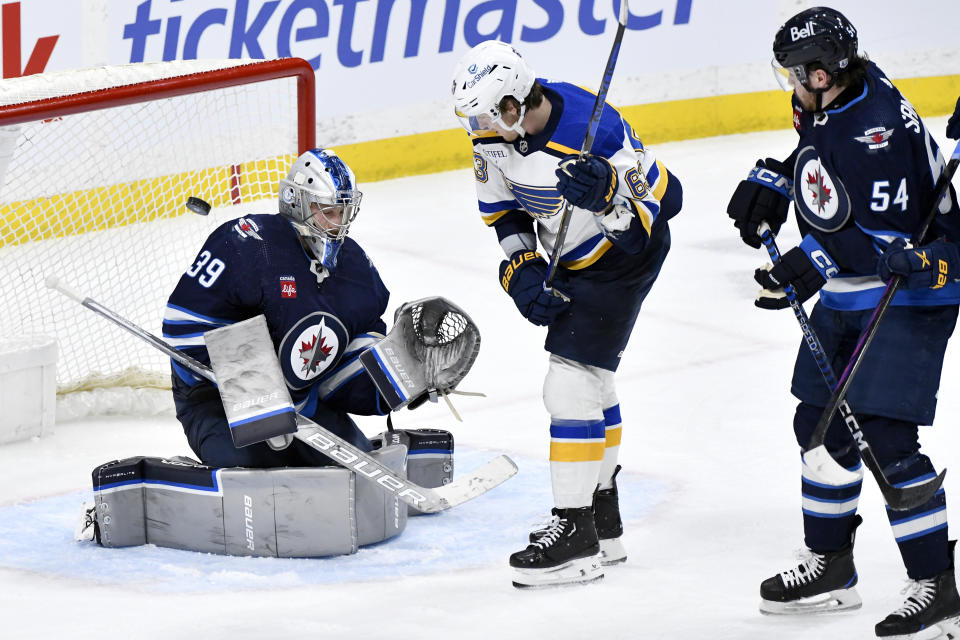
(362, 467)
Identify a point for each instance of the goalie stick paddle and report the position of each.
(846, 378)
(587, 145)
(428, 500)
(819, 460)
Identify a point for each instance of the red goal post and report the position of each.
(95, 168)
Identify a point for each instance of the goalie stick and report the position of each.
(429, 500)
(846, 378)
(819, 459)
(587, 145)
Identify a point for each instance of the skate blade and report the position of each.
(612, 552)
(579, 571)
(948, 629)
(836, 600)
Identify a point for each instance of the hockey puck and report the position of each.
(198, 205)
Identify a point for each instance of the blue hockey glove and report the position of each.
(763, 197)
(794, 269)
(953, 124)
(588, 182)
(522, 277)
(931, 265)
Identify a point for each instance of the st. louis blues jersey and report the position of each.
(517, 184)
(864, 175)
(256, 264)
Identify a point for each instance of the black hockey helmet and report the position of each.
(818, 36)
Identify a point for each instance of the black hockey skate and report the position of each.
(929, 603)
(606, 517)
(566, 551)
(822, 582)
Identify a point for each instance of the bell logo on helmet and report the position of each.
(807, 31)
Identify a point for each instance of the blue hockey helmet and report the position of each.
(320, 197)
(819, 37)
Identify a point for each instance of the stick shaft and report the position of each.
(587, 144)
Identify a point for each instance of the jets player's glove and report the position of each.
(953, 124)
(763, 197)
(522, 277)
(794, 269)
(588, 182)
(932, 265)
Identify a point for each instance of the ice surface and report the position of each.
(710, 487)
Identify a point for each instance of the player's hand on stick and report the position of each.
(588, 182)
(953, 124)
(522, 277)
(764, 196)
(929, 266)
(795, 270)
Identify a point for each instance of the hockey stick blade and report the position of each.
(903, 498)
(465, 488)
(313, 435)
(823, 468)
(425, 499)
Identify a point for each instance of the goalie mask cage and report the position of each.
(97, 165)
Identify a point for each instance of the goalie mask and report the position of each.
(487, 73)
(320, 197)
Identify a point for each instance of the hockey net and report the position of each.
(96, 168)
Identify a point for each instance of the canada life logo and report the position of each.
(39, 55)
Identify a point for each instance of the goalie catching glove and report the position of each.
(429, 350)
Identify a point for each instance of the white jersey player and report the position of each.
(526, 135)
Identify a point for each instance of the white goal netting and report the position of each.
(97, 197)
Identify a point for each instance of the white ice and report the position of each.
(710, 487)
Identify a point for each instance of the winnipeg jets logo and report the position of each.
(312, 347)
(876, 138)
(315, 352)
(820, 193)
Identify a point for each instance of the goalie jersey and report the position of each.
(516, 183)
(256, 264)
(864, 175)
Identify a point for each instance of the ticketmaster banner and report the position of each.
(384, 66)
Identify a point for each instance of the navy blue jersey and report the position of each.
(864, 175)
(257, 265)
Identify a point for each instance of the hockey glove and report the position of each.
(588, 182)
(931, 265)
(953, 124)
(763, 197)
(794, 269)
(522, 277)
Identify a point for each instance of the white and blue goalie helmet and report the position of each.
(484, 76)
(320, 197)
